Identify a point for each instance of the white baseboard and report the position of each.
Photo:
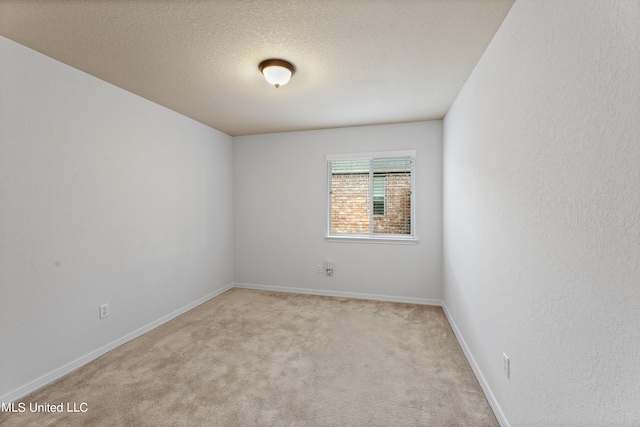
(409, 300)
(495, 406)
(72, 366)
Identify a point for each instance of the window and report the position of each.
(371, 196)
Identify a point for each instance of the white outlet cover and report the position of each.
(104, 311)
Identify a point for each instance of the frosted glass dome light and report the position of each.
(276, 71)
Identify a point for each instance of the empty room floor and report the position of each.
(260, 358)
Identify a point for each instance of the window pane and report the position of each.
(396, 217)
(350, 196)
(371, 196)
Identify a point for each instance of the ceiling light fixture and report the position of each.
(277, 71)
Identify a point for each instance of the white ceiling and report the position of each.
(358, 62)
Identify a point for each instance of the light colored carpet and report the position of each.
(255, 358)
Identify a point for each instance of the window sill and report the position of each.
(368, 239)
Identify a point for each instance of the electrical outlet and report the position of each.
(104, 310)
(506, 365)
(320, 268)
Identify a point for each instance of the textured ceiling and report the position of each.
(358, 61)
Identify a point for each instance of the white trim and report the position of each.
(373, 155)
(81, 361)
(371, 220)
(388, 298)
(369, 239)
(493, 402)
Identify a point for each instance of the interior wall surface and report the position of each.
(542, 214)
(281, 215)
(105, 198)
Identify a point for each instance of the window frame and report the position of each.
(373, 237)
